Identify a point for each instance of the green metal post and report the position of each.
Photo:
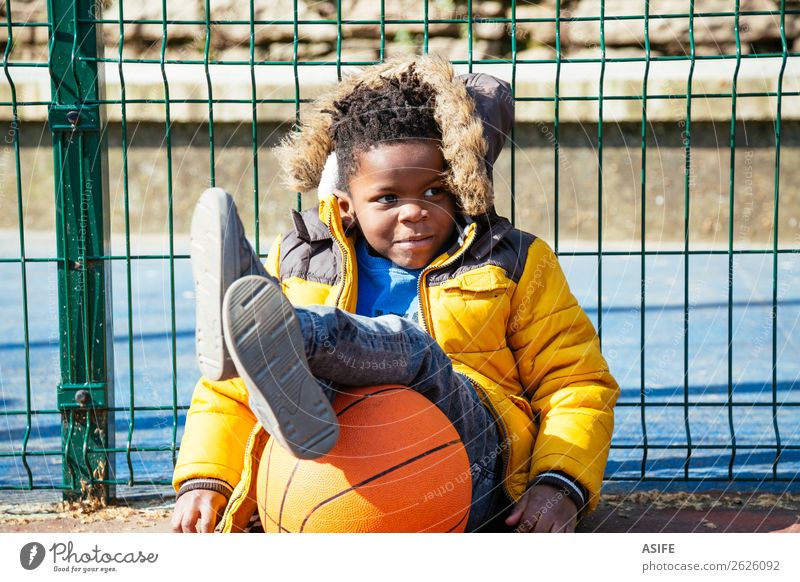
(85, 393)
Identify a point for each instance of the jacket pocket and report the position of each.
(485, 281)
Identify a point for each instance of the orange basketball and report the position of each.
(399, 466)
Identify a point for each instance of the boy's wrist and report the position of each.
(573, 490)
(206, 484)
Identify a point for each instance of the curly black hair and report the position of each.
(401, 109)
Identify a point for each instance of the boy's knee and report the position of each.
(412, 330)
(319, 310)
(394, 321)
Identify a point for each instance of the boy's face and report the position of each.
(399, 200)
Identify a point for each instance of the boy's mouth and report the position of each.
(415, 241)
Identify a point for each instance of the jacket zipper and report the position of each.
(478, 388)
(344, 264)
(504, 451)
(424, 322)
(235, 496)
(425, 272)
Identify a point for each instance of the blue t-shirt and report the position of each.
(384, 287)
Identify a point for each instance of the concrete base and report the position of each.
(642, 512)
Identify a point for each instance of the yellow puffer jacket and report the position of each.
(497, 303)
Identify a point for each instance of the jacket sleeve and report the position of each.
(219, 423)
(571, 390)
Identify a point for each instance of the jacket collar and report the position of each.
(309, 230)
(490, 230)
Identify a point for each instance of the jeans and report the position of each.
(334, 337)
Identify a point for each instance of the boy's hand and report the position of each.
(543, 509)
(197, 511)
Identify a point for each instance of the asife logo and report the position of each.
(31, 555)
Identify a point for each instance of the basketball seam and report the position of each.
(266, 480)
(286, 492)
(281, 529)
(364, 397)
(463, 517)
(373, 477)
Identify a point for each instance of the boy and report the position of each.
(405, 258)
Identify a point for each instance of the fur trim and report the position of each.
(302, 154)
(330, 176)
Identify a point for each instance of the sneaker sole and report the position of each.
(266, 345)
(212, 267)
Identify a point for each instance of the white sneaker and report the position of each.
(220, 254)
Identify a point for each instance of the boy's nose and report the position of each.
(413, 211)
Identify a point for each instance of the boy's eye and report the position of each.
(387, 199)
(392, 198)
(432, 192)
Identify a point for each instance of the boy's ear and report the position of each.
(346, 211)
(342, 196)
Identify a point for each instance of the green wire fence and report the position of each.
(95, 448)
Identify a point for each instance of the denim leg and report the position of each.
(344, 349)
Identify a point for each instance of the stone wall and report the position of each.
(274, 42)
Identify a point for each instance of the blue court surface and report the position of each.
(754, 423)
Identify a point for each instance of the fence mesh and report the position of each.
(134, 367)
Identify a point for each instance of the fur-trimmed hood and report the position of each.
(475, 113)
